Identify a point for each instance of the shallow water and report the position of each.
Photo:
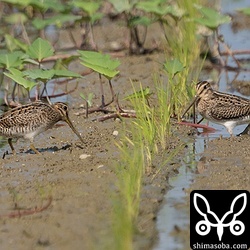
(174, 212)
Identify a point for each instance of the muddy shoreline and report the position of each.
(80, 214)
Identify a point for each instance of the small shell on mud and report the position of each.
(115, 46)
(100, 166)
(115, 133)
(84, 156)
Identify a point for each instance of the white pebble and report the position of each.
(84, 156)
(115, 133)
(100, 166)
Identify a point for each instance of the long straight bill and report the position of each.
(74, 129)
(189, 107)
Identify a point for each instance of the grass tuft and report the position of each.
(149, 132)
(129, 173)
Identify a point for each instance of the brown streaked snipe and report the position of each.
(29, 120)
(221, 108)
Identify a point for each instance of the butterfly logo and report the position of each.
(236, 227)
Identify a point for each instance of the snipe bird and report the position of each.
(221, 108)
(29, 120)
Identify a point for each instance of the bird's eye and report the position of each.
(65, 108)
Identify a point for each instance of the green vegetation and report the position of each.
(211, 18)
(88, 101)
(246, 11)
(152, 128)
(103, 65)
(129, 172)
(16, 66)
(22, 62)
(139, 144)
(184, 56)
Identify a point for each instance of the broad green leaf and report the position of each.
(102, 70)
(173, 67)
(40, 49)
(16, 18)
(99, 59)
(149, 6)
(47, 74)
(95, 17)
(57, 20)
(160, 8)
(44, 5)
(100, 63)
(121, 5)
(39, 74)
(83, 96)
(38, 4)
(89, 7)
(13, 43)
(11, 60)
(245, 11)
(89, 99)
(40, 24)
(140, 20)
(66, 73)
(23, 3)
(157, 7)
(17, 76)
(63, 63)
(211, 18)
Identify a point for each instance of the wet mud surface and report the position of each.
(80, 179)
(224, 165)
(77, 181)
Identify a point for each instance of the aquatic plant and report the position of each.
(183, 63)
(152, 126)
(212, 20)
(129, 172)
(104, 66)
(14, 66)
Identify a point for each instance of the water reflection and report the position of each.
(169, 217)
(174, 213)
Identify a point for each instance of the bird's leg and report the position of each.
(34, 149)
(230, 131)
(189, 107)
(11, 146)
